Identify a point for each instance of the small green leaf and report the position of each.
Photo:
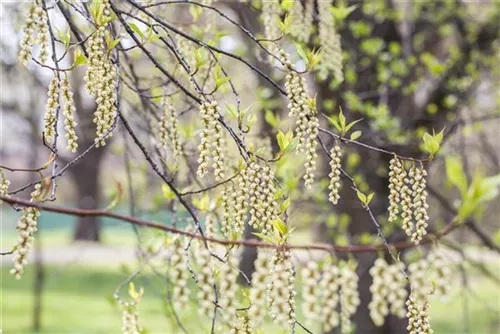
(285, 204)
(271, 119)
(350, 125)
(137, 30)
(114, 43)
(280, 226)
(265, 237)
(80, 58)
(355, 135)
(283, 141)
(335, 123)
(361, 196)
(456, 174)
(369, 198)
(342, 120)
(168, 194)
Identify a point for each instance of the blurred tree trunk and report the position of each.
(85, 172)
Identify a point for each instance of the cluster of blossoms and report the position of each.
(179, 275)
(68, 113)
(335, 165)
(36, 22)
(331, 50)
(329, 286)
(396, 180)
(281, 289)
(169, 129)
(27, 226)
(311, 275)
(242, 326)
(51, 109)
(257, 293)
(271, 11)
(206, 282)
(4, 185)
(211, 140)
(130, 318)
(388, 290)
(408, 189)
(302, 17)
(307, 125)
(418, 317)
(100, 80)
(257, 185)
(441, 273)
(229, 222)
(349, 296)
(228, 288)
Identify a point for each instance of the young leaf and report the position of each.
(137, 30)
(350, 125)
(456, 174)
(271, 119)
(355, 135)
(369, 198)
(361, 196)
(282, 140)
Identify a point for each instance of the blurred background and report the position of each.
(409, 67)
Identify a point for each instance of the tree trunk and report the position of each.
(86, 177)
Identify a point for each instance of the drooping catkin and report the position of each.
(334, 186)
(262, 204)
(303, 108)
(271, 11)
(258, 290)
(349, 296)
(228, 288)
(420, 280)
(49, 124)
(418, 317)
(395, 187)
(43, 31)
(231, 224)
(329, 286)
(130, 318)
(179, 276)
(206, 282)
(28, 38)
(388, 291)
(26, 226)
(100, 80)
(296, 13)
(441, 273)
(68, 113)
(4, 185)
(242, 325)
(281, 289)
(331, 50)
(311, 292)
(406, 202)
(211, 140)
(419, 204)
(169, 129)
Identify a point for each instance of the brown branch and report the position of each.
(251, 243)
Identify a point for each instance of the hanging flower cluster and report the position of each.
(420, 283)
(329, 287)
(441, 274)
(349, 296)
(311, 275)
(230, 221)
(281, 289)
(388, 290)
(257, 185)
(242, 326)
(228, 288)
(27, 226)
(271, 11)
(169, 129)
(331, 50)
(130, 313)
(206, 282)
(211, 140)
(418, 317)
(301, 20)
(257, 293)
(68, 113)
(51, 107)
(408, 188)
(303, 107)
(100, 80)
(4, 185)
(335, 165)
(179, 275)
(35, 31)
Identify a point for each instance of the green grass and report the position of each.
(76, 299)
